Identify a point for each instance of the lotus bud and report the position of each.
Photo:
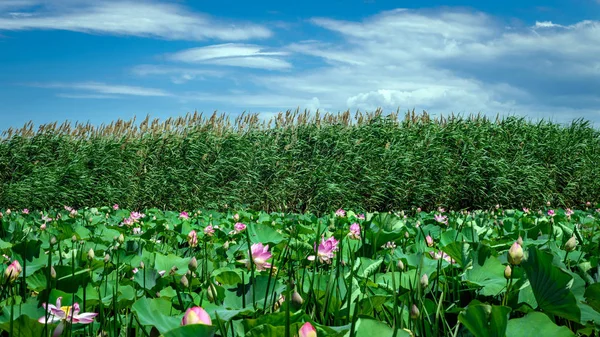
(91, 254)
(520, 241)
(193, 265)
(406, 235)
(424, 281)
(297, 299)
(429, 241)
(507, 272)
(184, 281)
(400, 265)
(13, 271)
(106, 258)
(307, 330)
(73, 238)
(414, 312)
(173, 270)
(196, 315)
(121, 238)
(52, 272)
(571, 244)
(515, 254)
(226, 245)
(279, 302)
(53, 240)
(142, 265)
(211, 293)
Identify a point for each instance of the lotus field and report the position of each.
(114, 272)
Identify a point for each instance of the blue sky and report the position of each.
(102, 60)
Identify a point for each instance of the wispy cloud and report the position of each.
(145, 19)
(178, 75)
(233, 54)
(86, 96)
(103, 88)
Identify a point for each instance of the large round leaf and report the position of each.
(536, 324)
(551, 285)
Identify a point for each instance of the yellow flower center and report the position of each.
(66, 309)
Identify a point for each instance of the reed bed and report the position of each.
(299, 161)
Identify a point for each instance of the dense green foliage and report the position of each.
(370, 162)
(500, 273)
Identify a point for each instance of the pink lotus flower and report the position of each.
(13, 271)
(361, 217)
(25, 211)
(441, 210)
(65, 314)
(551, 212)
(43, 227)
(260, 255)
(115, 207)
(325, 250)
(239, 227)
(136, 215)
(354, 231)
(588, 204)
(442, 255)
(525, 210)
(307, 330)
(137, 230)
(127, 222)
(184, 215)
(429, 241)
(209, 230)
(340, 212)
(569, 212)
(441, 218)
(196, 315)
(193, 238)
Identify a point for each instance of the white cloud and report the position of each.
(178, 75)
(145, 19)
(444, 61)
(233, 54)
(86, 96)
(102, 88)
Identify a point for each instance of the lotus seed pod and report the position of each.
(571, 244)
(515, 254)
(414, 312)
(507, 272)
